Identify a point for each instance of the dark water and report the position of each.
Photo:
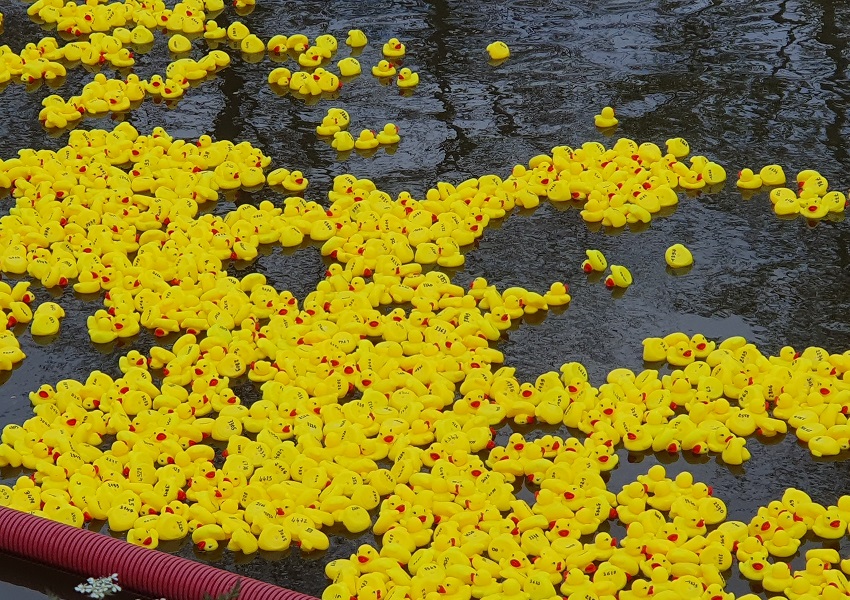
(746, 83)
(25, 580)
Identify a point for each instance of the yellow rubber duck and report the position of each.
(366, 140)
(298, 42)
(713, 173)
(785, 205)
(772, 175)
(595, 261)
(146, 538)
(212, 31)
(498, 50)
(46, 318)
(277, 44)
(237, 31)
(388, 135)
(280, 76)
(349, 67)
(558, 294)
(747, 180)
(179, 44)
(295, 182)
(356, 38)
(141, 36)
(677, 257)
(312, 57)
(605, 118)
(393, 48)
(328, 42)
(678, 147)
(251, 44)
(407, 78)
(384, 68)
(813, 208)
(619, 277)
(343, 141)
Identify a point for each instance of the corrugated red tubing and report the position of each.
(149, 572)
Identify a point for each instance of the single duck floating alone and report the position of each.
(606, 118)
(356, 39)
(619, 277)
(498, 51)
(595, 261)
(678, 257)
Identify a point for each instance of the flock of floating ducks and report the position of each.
(115, 32)
(375, 417)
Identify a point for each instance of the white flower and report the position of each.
(99, 588)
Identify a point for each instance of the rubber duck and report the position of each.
(295, 182)
(835, 202)
(312, 57)
(406, 78)
(242, 540)
(179, 44)
(349, 67)
(772, 175)
(46, 318)
(595, 261)
(366, 140)
(251, 44)
(755, 566)
(343, 141)
(829, 525)
(678, 147)
(777, 577)
(825, 445)
(606, 118)
(393, 48)
(277, 44)
(388, 135)
(297, 42)
(813, 208)
(280, 77)
(498, 50)
(237, 31)
(356, 38)
(735, 452)
(678, 256)
(141, 36)
(787, 207)
(207, 537)
(558, 294)
(146, 538)
(384, 68)
(747, 180)
(782, 545)
(619, 277)
(713, 174)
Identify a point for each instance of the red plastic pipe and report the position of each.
(149, 572)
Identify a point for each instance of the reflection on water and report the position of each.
(746, 83)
